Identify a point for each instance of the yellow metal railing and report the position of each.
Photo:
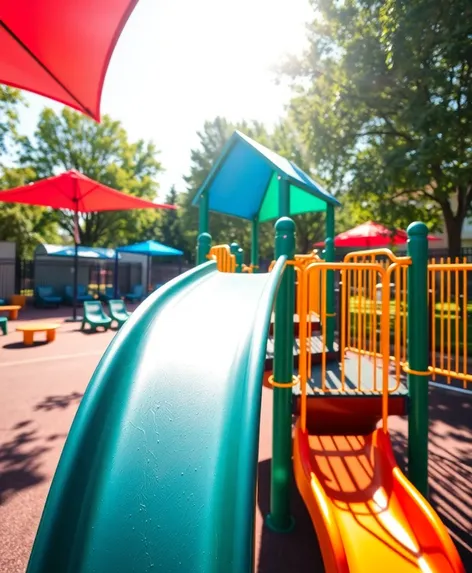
(225, 260)
(449, 319)
(371, 373)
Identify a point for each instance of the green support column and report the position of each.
(239, 260)
(203, 214)
(418, 356)
(234, 248)
(284, 198)
(329, 258)
(203, 247)
(203, 239)
(280, 518)
(255, 245)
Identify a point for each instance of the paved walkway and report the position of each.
(41, 388)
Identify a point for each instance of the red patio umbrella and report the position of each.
(61, 48)
(371, 235)
(76, 192)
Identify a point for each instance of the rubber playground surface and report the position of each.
(42, 386)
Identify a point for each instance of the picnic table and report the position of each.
(12, 310)
(28, 331)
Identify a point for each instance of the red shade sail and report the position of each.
(61, 48)
(370, 235)
(76, 192)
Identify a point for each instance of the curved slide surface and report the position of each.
(159, 469)
(368, 516)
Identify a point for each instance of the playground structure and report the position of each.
(165, 442)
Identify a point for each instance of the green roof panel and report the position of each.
(270, 204)
(300, 201)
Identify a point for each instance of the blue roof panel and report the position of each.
(240, 183)
(152, 249)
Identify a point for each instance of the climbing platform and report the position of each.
(317, 347)
(333, 407)
(313, 320)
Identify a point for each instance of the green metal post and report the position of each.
(234, 247)
(203, 247)
(418, 356)
(203, 214)
(203, 239)
(239, 260)
(329, 258)
(255, 245)
(280, 518)
(284, 198)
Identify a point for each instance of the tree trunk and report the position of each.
(454, 226)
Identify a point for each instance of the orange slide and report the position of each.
(368, 517)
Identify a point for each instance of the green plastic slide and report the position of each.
(159, 470)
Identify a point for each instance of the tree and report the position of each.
(10, 99)
(168, 228)
(103, 152)
(384, 103)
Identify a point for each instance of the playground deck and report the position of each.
(314, 323)
(355, 368)
(316, 348)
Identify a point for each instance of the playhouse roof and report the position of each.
(244, 183)
(69, 251)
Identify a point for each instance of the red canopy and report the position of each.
(370, 235)
(61, 48)
(76, 192)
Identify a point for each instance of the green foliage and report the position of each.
(168, 228)
(22, 224)
(383, 102)
(9, 102)
(103, 152)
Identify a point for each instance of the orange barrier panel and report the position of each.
(449, 320)
(225, 260)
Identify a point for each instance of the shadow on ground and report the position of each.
(18, 345)
(59, 401)
(20, 460)
(292, 552)
(450, 465)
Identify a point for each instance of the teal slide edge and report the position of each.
(123, 501)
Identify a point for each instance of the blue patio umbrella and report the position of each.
(150, 249)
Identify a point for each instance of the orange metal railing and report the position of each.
(225, 260)
(302, 262)
(359, 373)
(364, 308)
(449, 307)
(449, 320)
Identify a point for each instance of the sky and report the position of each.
(181, 62)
